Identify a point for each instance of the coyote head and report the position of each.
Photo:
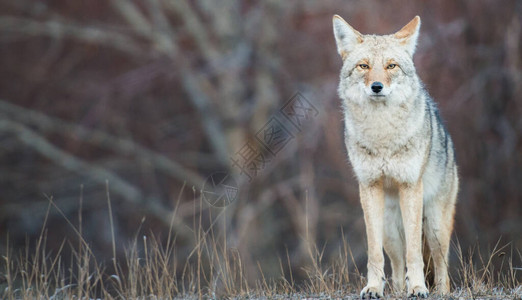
(377, 68)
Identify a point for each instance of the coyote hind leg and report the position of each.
(437, 230)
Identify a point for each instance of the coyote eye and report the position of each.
(391, 66)
(363, 66)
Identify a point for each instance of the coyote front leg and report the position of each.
(372, 200)
(411, 202)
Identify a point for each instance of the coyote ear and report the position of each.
(346, 37)
(408, 34)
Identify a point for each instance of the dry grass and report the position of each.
(150, 270)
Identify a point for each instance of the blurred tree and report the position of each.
(148, 95)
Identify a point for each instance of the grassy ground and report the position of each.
(212, 270)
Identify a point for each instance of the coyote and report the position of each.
(402, 156)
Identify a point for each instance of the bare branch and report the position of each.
(70, 162)
(102, 139)
(165, 43)
(96, 173)
(195, 27)
(133, 16)
(58, 29)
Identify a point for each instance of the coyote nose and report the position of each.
(377, 87)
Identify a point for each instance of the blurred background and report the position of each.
(142, 101)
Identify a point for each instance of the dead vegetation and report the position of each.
(154, 94)
(153, 270)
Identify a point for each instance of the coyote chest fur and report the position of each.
(402, 156)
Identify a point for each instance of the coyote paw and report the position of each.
(371, 292)
(418, 292)
(442, 289)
